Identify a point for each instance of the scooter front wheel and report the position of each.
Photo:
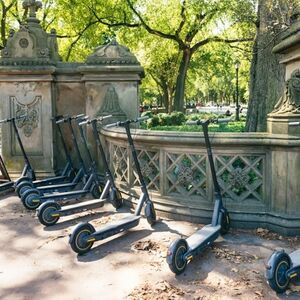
(175, 257)
(225, 222)
(150, 213)
(279, 281)
(79, 239)
(116, 198)
(47, 213)
(23, 186)
(31, 201)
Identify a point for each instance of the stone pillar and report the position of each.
(284, 162)
(27, 65)
(111, 77)
(287, 109)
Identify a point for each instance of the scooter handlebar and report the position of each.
(294, 123)
(202, 122)
(77, 117)
(122, 123)
(223, 120)
(14, 118)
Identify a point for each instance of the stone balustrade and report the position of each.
(258, 174)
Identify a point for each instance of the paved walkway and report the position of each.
(37, 263)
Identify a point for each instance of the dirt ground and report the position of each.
(37, 262)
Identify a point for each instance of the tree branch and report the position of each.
(154, 31)
(218, 40)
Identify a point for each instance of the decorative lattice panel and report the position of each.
(241, 177)
(119, 156)
(149, 162)
(186, 174)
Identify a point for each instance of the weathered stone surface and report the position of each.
(258, 174)
(287, 109)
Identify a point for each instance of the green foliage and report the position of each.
(230, 127)
(163, 119)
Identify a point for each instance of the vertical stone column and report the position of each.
(111, 76)
(30, 95)
(285, 162)
(27, 65)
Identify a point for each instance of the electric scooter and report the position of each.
(27, 170)
(50, 212)
(31, 196)
(283, 267)
(91, 187)
(84, 235)
(67, 174)
(182, 251)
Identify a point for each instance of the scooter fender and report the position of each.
(72, 235)
(171, 250)
(21, 179)
(270, 268)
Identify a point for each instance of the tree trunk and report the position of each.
(266, 74)
(180, 82)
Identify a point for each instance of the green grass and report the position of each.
(230, 127)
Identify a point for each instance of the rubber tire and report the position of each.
(81, 231)
(27, 201)
(283, 262)
(176, 250)
(28, 192)
(44, 213)
(225, 222)
(116, 199)
(22, 179)
(150, 213)
(96, 193)
(21, 185)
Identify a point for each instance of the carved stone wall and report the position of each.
(258, 175)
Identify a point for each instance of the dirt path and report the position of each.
(37, 263)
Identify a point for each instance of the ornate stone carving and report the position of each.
(30, 45)
(185, 175)
(32, 6)
(31, 111)
(289, 103)
(238, 178)
(112, 54)
(111, 105)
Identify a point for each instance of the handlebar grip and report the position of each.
(77, 117)
(294, 123)
(112, 125)
(103, 118)
(190, 122)
(60, 121)
(223, 120)
(140, 119)
(84, 122)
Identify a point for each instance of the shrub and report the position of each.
(153, 122)
(177, 118)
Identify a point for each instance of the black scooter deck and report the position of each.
(78, 207)
(53, 187)
(117, 227)
(200, 236)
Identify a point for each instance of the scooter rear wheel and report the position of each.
(150, 213)
(31, 201)
(79, 238)
(279, 282)
(45, 213)
(175, 258)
